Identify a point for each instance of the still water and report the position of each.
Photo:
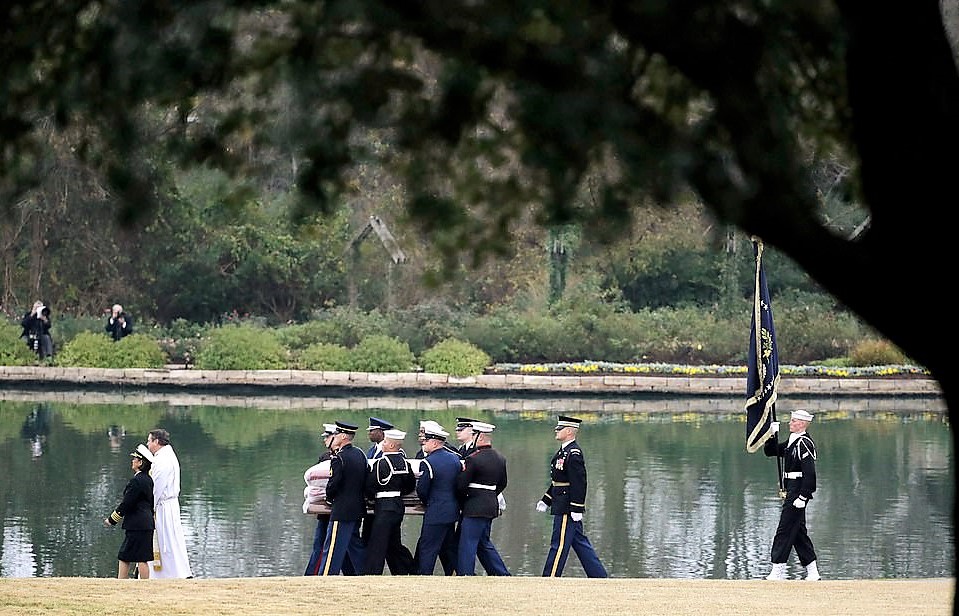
(671, 495)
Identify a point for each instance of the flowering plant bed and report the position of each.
(599, 368)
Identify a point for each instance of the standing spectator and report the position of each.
(482, 480)
(799, 476)
(119, 323)
(344, 492)
(322, 519)
(389, 479)
(566, 500)
(436, 488)
(136, 513)
(170, 557)
(36, 330)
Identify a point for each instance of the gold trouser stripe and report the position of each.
(559, 549)
(329, 555)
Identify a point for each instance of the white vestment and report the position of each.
(174, 562)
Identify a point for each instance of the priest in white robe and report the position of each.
(171, 559)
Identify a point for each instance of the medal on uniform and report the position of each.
(559, 464)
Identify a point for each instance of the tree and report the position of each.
(497, 111)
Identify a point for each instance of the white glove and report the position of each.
(774, 427)
(799, 503)
(576, 517)
(541, 507)
(501, 502)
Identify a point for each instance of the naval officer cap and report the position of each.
(567, 422)
(143, 452)
(431, 429)
(801, 414)
(483, 427)
(464, 422)
(328, 430)
(344, 428)
(394, 434)
(379, 424)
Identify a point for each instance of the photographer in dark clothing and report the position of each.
(119, 323)
(36, 330)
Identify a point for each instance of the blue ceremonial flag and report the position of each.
(762, 379)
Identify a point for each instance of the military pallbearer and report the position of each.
(565, 498)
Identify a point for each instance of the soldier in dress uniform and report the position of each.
(436, 488)
(465, 435)
(389, 479)
(565, 498)
(799, 479)
(344, 493)
(482, 480)
(323, 519)
(375, 431)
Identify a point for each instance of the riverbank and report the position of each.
(472, 595)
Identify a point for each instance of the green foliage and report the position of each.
(456, 358)
(424, 325)
(96, 350)
(66, 327)
(381, 354)
(876, 353)
(324, 356)
(88, 350)
(13, 348)
(137, 351)
(341, 325)
(241, 347)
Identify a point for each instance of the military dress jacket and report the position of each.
(799, 464)
(567, 488)
(436, 486)
(344, 491)
(482, 480)
(389, 479)
(136, 509)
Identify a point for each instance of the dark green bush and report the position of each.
(456, 358)
(381, 354)
(241, 347)
(324, 356)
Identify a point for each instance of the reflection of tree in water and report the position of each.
(36, 427)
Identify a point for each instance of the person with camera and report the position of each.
(36, 330)
(119, 323)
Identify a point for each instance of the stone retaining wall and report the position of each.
(305, 380)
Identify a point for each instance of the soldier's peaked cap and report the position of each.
(431, 429)
(567, 422)
(482, 427)
(379, 424)
(329, 429)
(344, 428)
(464, 422)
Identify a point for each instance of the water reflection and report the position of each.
(670, 494)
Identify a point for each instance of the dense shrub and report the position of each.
(137, 351)
(13, 348)
(88, 350)
(323, 356)
(181, 340)
(456, 358)
(381, 354)
(64, 328)
(876, 353)
(425, 325)
(241, 347)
